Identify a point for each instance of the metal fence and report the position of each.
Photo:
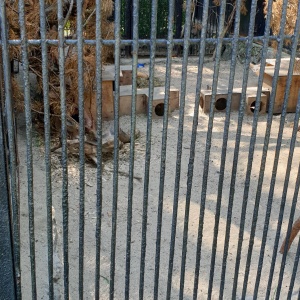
(179, 17)
(185, 232)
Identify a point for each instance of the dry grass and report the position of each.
(244, 10)
(32, 15)
(291, 17)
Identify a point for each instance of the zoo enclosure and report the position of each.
(179, 19)
(10, 202)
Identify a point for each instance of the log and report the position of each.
(90, 143)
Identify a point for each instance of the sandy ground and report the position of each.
(210, 208)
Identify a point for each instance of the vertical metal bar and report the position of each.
(221, 177)
(65, 203)
(251, 153)
(277, 153)
(81, 144)
(263, 160)
(294, 202)
(193, 144)
(148, 154)
(192, 151)
(294, 272)
(231, 193)
(47, 145)
(222, 166)
(164, 143)
(207, 150)
(7, 280)
(12, 146)
(149, 111)
(99, 143)
(148, 141)
(160, 200)
(27, 102)
(187, 33)
(135, 47)
(116, 147)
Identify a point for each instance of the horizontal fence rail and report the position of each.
(124, 42)
(191, 202)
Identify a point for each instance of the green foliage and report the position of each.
(145, 18)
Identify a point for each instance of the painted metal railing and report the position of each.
(186, 41)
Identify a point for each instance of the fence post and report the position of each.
(7, 276)
(7, 284)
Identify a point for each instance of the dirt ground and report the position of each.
(211, 196)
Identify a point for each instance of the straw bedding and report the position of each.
(32, 15)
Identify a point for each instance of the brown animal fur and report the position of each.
(294, 232)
